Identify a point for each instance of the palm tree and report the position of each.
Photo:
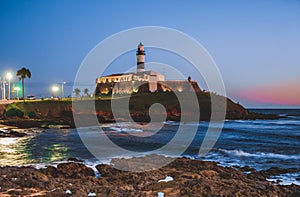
(86, 91)
(22, 74)
(77, 92)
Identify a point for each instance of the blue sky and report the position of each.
(255, 43)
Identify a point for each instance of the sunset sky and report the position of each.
(255, 44)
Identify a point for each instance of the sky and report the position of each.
(255, 44)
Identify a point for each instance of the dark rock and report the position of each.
(51, 171)
(247, 169)
(107, 171)
(274, 171)
(74, 170)
(191, 178)
(11, 133)
(74, 159)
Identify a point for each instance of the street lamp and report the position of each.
(62, 89)
(9, 77)
(17, 89)
(54, 90)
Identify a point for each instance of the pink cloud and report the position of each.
(280, 93)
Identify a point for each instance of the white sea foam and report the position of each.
(123, 129)
(68, 192)
(238, 121)
(285, 179)
(91, 194)
(39, 165)
(286, 122)
(241, 153)
(171, 123)
(294, 117)
(167, 179)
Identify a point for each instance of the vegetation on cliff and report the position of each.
(61, 111)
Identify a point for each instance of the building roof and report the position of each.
(117, 74)
(148, 72)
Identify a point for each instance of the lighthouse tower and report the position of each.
(140, 56)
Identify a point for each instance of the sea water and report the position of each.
(260, 144)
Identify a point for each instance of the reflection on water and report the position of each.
(22, 151)
(54, 152)
(47, 147)
(11, 152)
(257, 143)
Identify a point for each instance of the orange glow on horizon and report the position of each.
(285, 93)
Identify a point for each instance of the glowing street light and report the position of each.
(54, 90)
(9, 77)
(17, 89)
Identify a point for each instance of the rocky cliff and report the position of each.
(61, 112)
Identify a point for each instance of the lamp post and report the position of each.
(3, 89)
(9, 77)
(1, 86)
(62, 89)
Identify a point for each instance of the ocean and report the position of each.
(260, 144)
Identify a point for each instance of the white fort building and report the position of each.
(141, 80)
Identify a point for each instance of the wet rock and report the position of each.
(274, 171)
(247, 169)
(74, 159)
(107, 171)
(11, 133)
(51, 171)
(191, 178)
(74, 170)
(149, 162)
(27, 177)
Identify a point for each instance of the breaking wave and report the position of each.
(241, 153)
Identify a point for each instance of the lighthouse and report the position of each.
(140, 56)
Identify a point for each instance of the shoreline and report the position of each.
(25, 123)
(45, 113)
(190, 177)
(34, 123)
